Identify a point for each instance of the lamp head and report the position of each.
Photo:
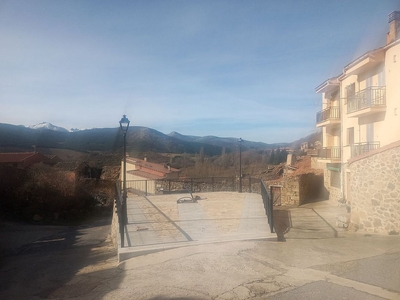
(124, 124)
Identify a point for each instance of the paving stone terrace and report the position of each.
(158, 222)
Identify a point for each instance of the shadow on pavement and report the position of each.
(174, 298)
(282, 223)
(70, 262)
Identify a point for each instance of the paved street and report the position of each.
(317, 261)
(308, 268)
(38, 260)
(295, 269)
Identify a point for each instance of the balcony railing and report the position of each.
(330, 113)
(361, 148)
(332, 153)
(370, 97)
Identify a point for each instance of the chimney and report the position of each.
(394, 27)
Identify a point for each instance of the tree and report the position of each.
(272, 157)
(202, 154)
(282, 156)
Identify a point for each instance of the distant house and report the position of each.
(138, 169)
(304, 146)
(142, 175)
(23, 160)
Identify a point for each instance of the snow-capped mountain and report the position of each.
(49, 126)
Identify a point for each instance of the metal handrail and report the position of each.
(268, 205)
(361, 148)
(370, 97)
(330, 113)
(329, 153)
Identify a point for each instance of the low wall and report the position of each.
(335, 194)
(375, 190)
(301, 189)
(290, 191)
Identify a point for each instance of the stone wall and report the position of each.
(301, 189)
(315, 164)
(375, 190)
(290, 191)
(335, 193)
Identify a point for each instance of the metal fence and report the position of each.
(361, 148)
(268, 205)
(329, 153)
(121, 217)
(196, 185)
(330, 113)
(369, 97)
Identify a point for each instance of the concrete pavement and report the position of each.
(317, 261)
(323, 268)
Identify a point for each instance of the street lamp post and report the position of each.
(124, 124)
(240, 164)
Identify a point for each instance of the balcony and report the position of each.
(328, 116)
(361, 148)
(329, 154)
(366, 102)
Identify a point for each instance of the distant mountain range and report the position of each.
(139, 139)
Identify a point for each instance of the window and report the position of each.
(350, 136)
(335, 179)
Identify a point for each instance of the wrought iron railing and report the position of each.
(361, 148)
(268, 205)
(330, 113)
(120, 214)
(205, 184)
(329, 153)
(394, 15)
(370, 97)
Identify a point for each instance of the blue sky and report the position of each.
(226, 68)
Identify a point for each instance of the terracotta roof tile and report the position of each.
(15, 157)
(149, 165)
(144, 174)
